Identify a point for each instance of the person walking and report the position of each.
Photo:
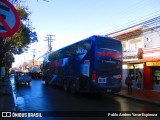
(128, 82)
(139, 80)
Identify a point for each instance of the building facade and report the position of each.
(141, 52)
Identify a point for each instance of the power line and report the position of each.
(44, 0)
(151, 24)
(127, 9)
(132, 23)
(49, 40)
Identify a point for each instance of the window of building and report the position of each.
(124, 45)
(134, 44)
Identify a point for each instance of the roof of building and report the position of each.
(128, 33)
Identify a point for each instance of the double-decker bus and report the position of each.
(90, 65)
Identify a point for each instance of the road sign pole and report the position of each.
(1, 46)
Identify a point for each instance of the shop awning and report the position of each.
(128, 34)
(143, 60)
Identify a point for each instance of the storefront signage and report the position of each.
(151, 53)
(135, 66)
(152, 63)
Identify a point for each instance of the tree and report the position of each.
(19, 42)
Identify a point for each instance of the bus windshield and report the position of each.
(109, 57)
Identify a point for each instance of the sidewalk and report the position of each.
(149, 96)
(6, 96)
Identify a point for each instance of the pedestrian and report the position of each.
(139, 80)
(128, 82)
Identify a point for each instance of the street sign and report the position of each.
(9, 19)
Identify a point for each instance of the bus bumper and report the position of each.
(108, 89)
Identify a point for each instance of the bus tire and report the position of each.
(46, 83)
(65, 86)
(73, 87)
(28, 83)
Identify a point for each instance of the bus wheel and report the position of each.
(73, 87)
(28, 83)
(65, 86)
(46, 83)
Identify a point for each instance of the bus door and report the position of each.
(84, 78)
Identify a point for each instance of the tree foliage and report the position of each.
(19, 42)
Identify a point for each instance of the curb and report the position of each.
(139, 99)
(7, 96)
(13, 97)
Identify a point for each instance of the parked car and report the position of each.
(22, 78)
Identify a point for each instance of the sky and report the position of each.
(74, 20)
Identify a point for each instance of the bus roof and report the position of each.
(93, 37)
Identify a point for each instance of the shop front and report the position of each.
(147, 61)
(133, 69)
(154, 74)
(151, 56)
(132, 66)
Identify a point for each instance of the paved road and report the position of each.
(39, 97)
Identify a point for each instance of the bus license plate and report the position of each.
(109, 90)
(102, 80)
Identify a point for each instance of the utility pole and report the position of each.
(34, 51)
(49, 40)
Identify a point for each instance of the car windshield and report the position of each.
(34, 69)
(20, 73)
